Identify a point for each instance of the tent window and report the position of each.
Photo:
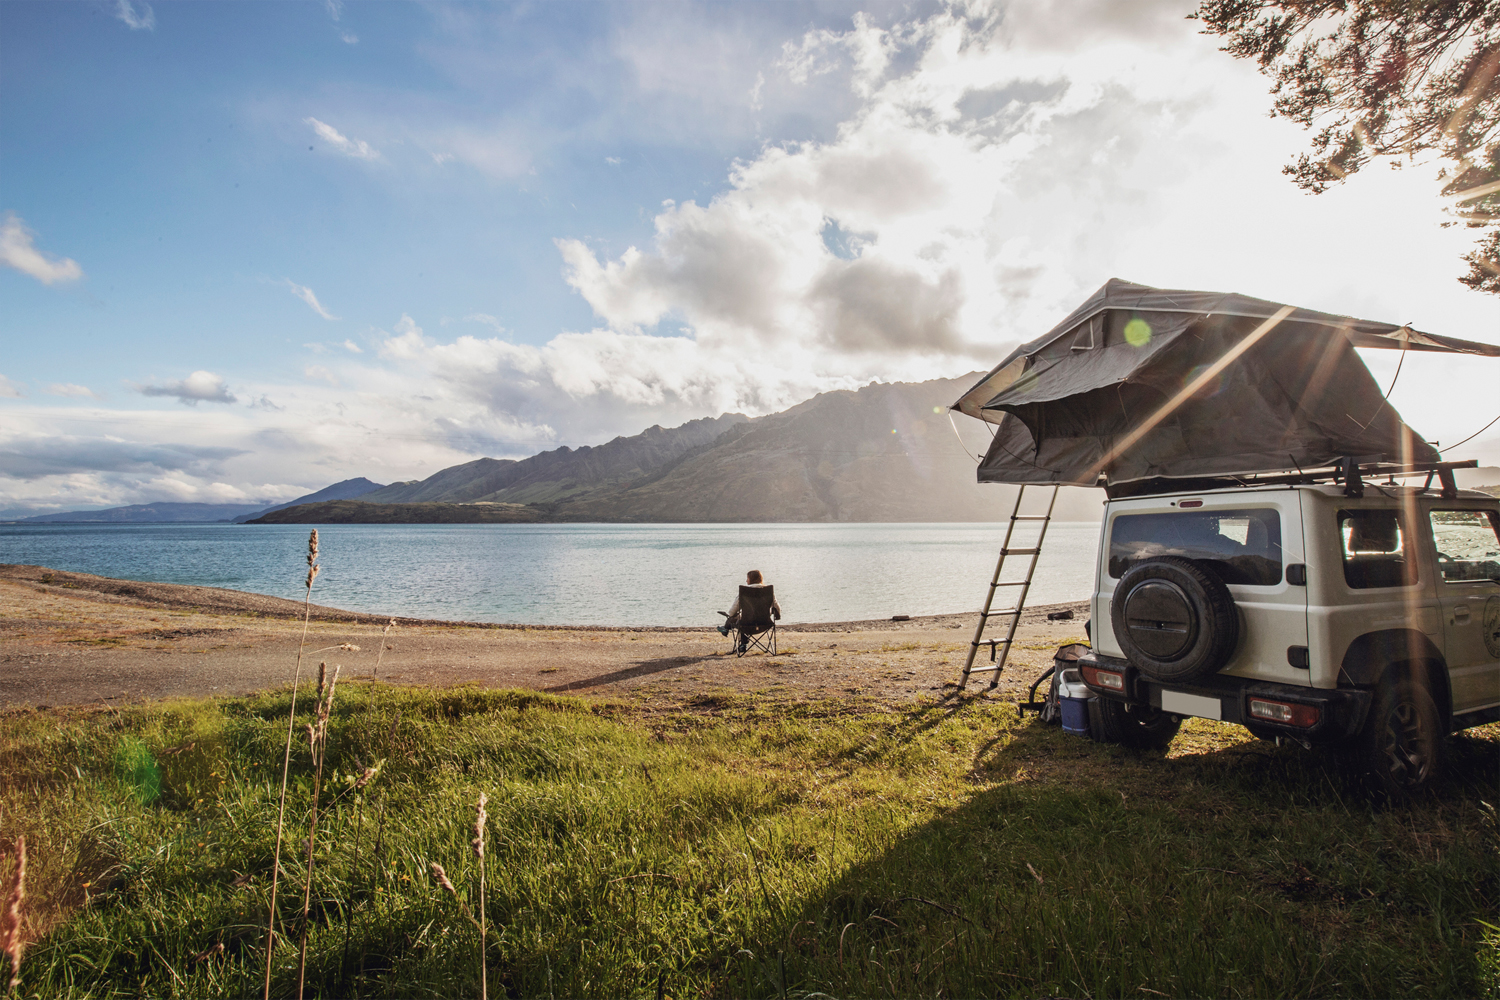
(1241, 546)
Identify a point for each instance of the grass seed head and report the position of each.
(479, 821)
(442, 878)
(11, 913)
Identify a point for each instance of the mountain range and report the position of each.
(884, 452)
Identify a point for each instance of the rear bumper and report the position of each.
(1341, 711)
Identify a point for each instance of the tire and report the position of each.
(1143, 728)
(1400, 750)
(1175, 620)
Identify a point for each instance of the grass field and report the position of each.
(733, 849)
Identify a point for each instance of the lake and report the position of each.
(578, 574)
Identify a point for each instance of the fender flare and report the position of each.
(1393, 653)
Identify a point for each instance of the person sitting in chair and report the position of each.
(752, 579)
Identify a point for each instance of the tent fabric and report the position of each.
(1297, 397)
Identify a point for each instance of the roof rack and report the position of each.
(1349, 471)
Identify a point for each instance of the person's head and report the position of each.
(753, 577)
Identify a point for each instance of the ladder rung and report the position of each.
(997, 614)
(983, 670)
(1010, 583)
(1031, 517)
(990, 642)
(1020, 552)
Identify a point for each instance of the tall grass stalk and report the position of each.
(286, 761)
(10, 916)
(375, 674)
(479, 824)
(318, 741)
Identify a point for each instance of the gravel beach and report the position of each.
(76, 639)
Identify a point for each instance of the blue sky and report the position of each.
(255, 248)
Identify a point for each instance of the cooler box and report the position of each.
(1073, 698)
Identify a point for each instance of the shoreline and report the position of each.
(226, 600)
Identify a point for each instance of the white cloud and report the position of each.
(17, 251)
(319, 373)
(69, 389)
(348, 38)
(9, 390)
(199, 387)
(306, 295)
(357, 148)
(136, 20)
(353, 348)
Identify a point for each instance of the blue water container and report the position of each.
(1075, 715)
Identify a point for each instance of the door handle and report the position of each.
(1461, 614)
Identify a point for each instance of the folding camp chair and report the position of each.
(756, 628)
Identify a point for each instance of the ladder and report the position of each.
(1020, 587)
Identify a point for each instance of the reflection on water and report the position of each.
(593, 574)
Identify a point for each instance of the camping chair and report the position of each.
(756, 628)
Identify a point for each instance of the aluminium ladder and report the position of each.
(1021, 586)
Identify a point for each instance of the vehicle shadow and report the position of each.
(1078, 868)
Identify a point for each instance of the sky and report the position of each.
(251, 249)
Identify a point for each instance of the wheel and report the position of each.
(1146, 728)
(1400, 750)
(1174, 619)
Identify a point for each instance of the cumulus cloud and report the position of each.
(143, 19)
(199, 387)
(357, 148)
(306, 295)
(18, 251)
(993, 173)
(69, 389)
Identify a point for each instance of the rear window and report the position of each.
(1377, 549)
(1241, 546)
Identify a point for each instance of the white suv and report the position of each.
(1358, 615)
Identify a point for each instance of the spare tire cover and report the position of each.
(1175, 619)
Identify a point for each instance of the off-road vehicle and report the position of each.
(1353, 614)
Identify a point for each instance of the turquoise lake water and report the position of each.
(576, 574)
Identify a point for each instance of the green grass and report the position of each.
(733, 850)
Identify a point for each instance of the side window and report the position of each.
(1468, 545)
(1377, 549)
(1241, 546)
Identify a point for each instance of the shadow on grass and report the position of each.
(1223, 866)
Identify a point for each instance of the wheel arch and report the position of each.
(1395, 655)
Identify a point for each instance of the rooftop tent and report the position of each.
(1141, 382)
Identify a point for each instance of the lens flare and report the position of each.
(1137, 332)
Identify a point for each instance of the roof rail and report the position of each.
(1349, 471)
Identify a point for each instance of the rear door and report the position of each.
(1247, 538)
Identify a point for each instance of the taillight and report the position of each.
(1287, 713)
(1110, 680)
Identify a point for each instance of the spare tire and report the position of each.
(1175, 619)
